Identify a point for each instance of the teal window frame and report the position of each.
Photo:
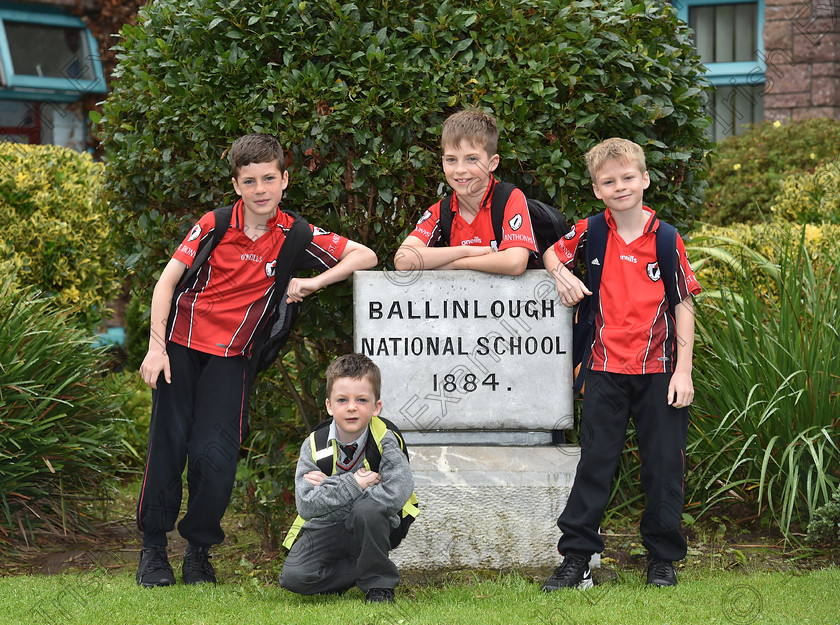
(738, 72)
(47, 87)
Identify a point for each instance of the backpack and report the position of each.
(547, 221)
(324, 455)
(273, 334)
(583, 331)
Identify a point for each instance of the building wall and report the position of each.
(802, 44)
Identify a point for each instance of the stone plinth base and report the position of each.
(487, 507)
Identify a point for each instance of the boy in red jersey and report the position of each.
(640, 366)
(197, 364)
(469, 140)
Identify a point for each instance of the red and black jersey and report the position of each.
(219, 313)
(516, 230)
(632, 326)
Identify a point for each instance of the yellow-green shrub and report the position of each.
(717, 252)
(811, 198)
(56, 228)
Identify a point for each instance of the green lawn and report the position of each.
(704, 596)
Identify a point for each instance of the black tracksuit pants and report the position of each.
(609, 401)
(200, 418)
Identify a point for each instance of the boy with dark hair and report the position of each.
(199, 349)
(350, 514)
(469, 140)
(640, 365)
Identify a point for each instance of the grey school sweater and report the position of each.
(330, 502)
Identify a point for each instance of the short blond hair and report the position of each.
(614, 149)
(472, 126)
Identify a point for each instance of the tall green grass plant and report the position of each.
(58, 413)
(767, 411)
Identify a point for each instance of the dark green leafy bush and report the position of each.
(748, 170)
(58, 432)
(357, 91)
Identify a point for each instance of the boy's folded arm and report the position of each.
(397, 481)
(334, 492)
(414, 255)
(511, 262)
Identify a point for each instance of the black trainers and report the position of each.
(380, 595)
(197, 568)
(573, 573)
(154, 569)
(660, 572)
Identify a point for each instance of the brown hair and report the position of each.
(356, 367)
(615, 149)
(256, 148)
(472, 126)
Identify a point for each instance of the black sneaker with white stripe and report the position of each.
(573, 573)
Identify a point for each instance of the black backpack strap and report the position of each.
(498, 203)
(445, 221)
(597, 233)
(324, 460)
(289, 260)
(223, 216)
(666, 257)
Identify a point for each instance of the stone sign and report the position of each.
(465, 350)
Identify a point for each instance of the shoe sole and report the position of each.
(585, 584)
(158, 585)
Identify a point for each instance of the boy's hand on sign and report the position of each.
(367, 478)
(155, 363)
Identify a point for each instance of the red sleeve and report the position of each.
(686, 280)
(325, 250)
(189, 246)
(428, 226)
(567, 247)
(516, 225)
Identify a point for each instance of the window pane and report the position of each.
(49, 51)
(732, 107)
(703, 20)
(725, 32)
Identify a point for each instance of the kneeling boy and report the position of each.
(349, 515)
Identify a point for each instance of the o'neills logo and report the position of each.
(254, 258)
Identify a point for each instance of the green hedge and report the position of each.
(57, 233)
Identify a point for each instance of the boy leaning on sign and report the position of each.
(469, 140)
(351, 514)
(640, 365)
(204, 332)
